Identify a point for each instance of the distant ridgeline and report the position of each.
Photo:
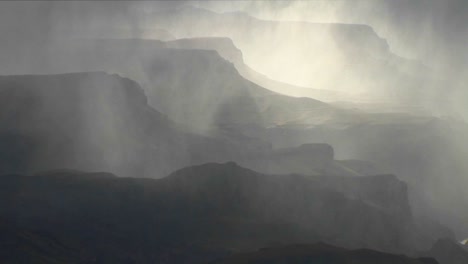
(194, 107)
(198, 214)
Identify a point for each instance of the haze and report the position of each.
(197, 128)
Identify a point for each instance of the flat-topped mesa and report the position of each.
(211, 91)
(86, 121)
(360, 66)
(57, 86)
(223, 45)
(385, 193)
(236, 199)
(222, 204)
(325, 204)
(359, 39)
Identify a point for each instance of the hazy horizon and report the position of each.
(197, 129)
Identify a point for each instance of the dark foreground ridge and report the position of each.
(195, 215)
(319, 253)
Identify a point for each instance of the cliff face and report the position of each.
(208, 208)
(204, 91)
(205, 23)
(211, 92)
(229, 51)
(349, 58)
(324, 207)
(424, 152)
(90, 121)
(197, 88)
(316, 253)
(100, 122)
(223, 45)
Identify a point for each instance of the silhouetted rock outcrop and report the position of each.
(101, 122)
(87, 121)
(223, 45)
(427, 153)
(201, 90)
(208, 208)
(319, 253)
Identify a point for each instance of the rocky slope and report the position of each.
(213, 99)
(228, 50)
(336, 57)
(427, 153)
(101, 122)
(91, 121)
(198, 213)
(319, 253)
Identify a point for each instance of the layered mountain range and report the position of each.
(291, 171)
(290, 119)
(101, 122)
(213, 209)
(350, 59)
(91, 121)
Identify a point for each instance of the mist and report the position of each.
(318, 108)
(416, 42)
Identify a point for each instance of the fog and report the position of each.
(381, 85)
(404, 53)
(422, 39)
(419, 42)
(412, 28)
